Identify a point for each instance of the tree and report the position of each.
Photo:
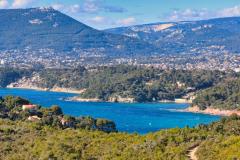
(56, 110)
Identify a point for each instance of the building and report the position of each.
(30, 107)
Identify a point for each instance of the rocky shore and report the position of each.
(180, 101)
(55, 89)
(117, 99)
(212, 111)
(34, 81)
(79, 99)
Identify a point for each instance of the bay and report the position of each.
(138, 117)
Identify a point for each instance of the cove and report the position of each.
(141, 118)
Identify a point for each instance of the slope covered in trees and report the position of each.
(30, 140)
(140, 83)
(225, 95)
(10, 75)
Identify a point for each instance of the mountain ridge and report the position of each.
(186, 35)
(49, 38)
(48, 28)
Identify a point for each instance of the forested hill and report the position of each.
(224, 96)
(141, 84)
(134, 84)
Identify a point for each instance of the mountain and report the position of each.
(47, 37)
(46, 28)
(188, 37)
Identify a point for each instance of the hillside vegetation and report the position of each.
(10, 75)
(19, 109)
(141, 84)
(29, 140)
(224, 96)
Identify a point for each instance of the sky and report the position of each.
(102, 14)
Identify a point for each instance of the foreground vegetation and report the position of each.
(30, 140)
(46, 133)
(19, 109)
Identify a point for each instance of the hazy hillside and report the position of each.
(46, 28)
(52, 39)
(187, 37)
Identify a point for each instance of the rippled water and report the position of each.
(138, 117)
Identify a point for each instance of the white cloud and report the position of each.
(230, 12)
(98, 19)
(91, 6)
(71, 9)
(58, 6)
(109, 21)
(188, 14)
(126, 21)
(3, 4)
(74, 8)
(192, 14)
(21, 3)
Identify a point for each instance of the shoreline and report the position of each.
(212, 111)
(79, 99)
(177, 101)
(195, 109)
(57, 89)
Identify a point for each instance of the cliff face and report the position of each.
(36, 82)
(121, 99)
(32, 82)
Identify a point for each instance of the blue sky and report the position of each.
(114, 13)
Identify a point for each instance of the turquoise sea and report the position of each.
(139, 117)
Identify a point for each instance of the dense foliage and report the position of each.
(12, 108)
(29, 140)
(9, 75)
(225, 144)
(224, 96)
(140, 83)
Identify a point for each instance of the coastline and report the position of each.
(79, 99)
(195, 109)
(212, 111)
(126, 100)
(178, 101)
(55, 89)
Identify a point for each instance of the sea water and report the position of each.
(137, 117)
